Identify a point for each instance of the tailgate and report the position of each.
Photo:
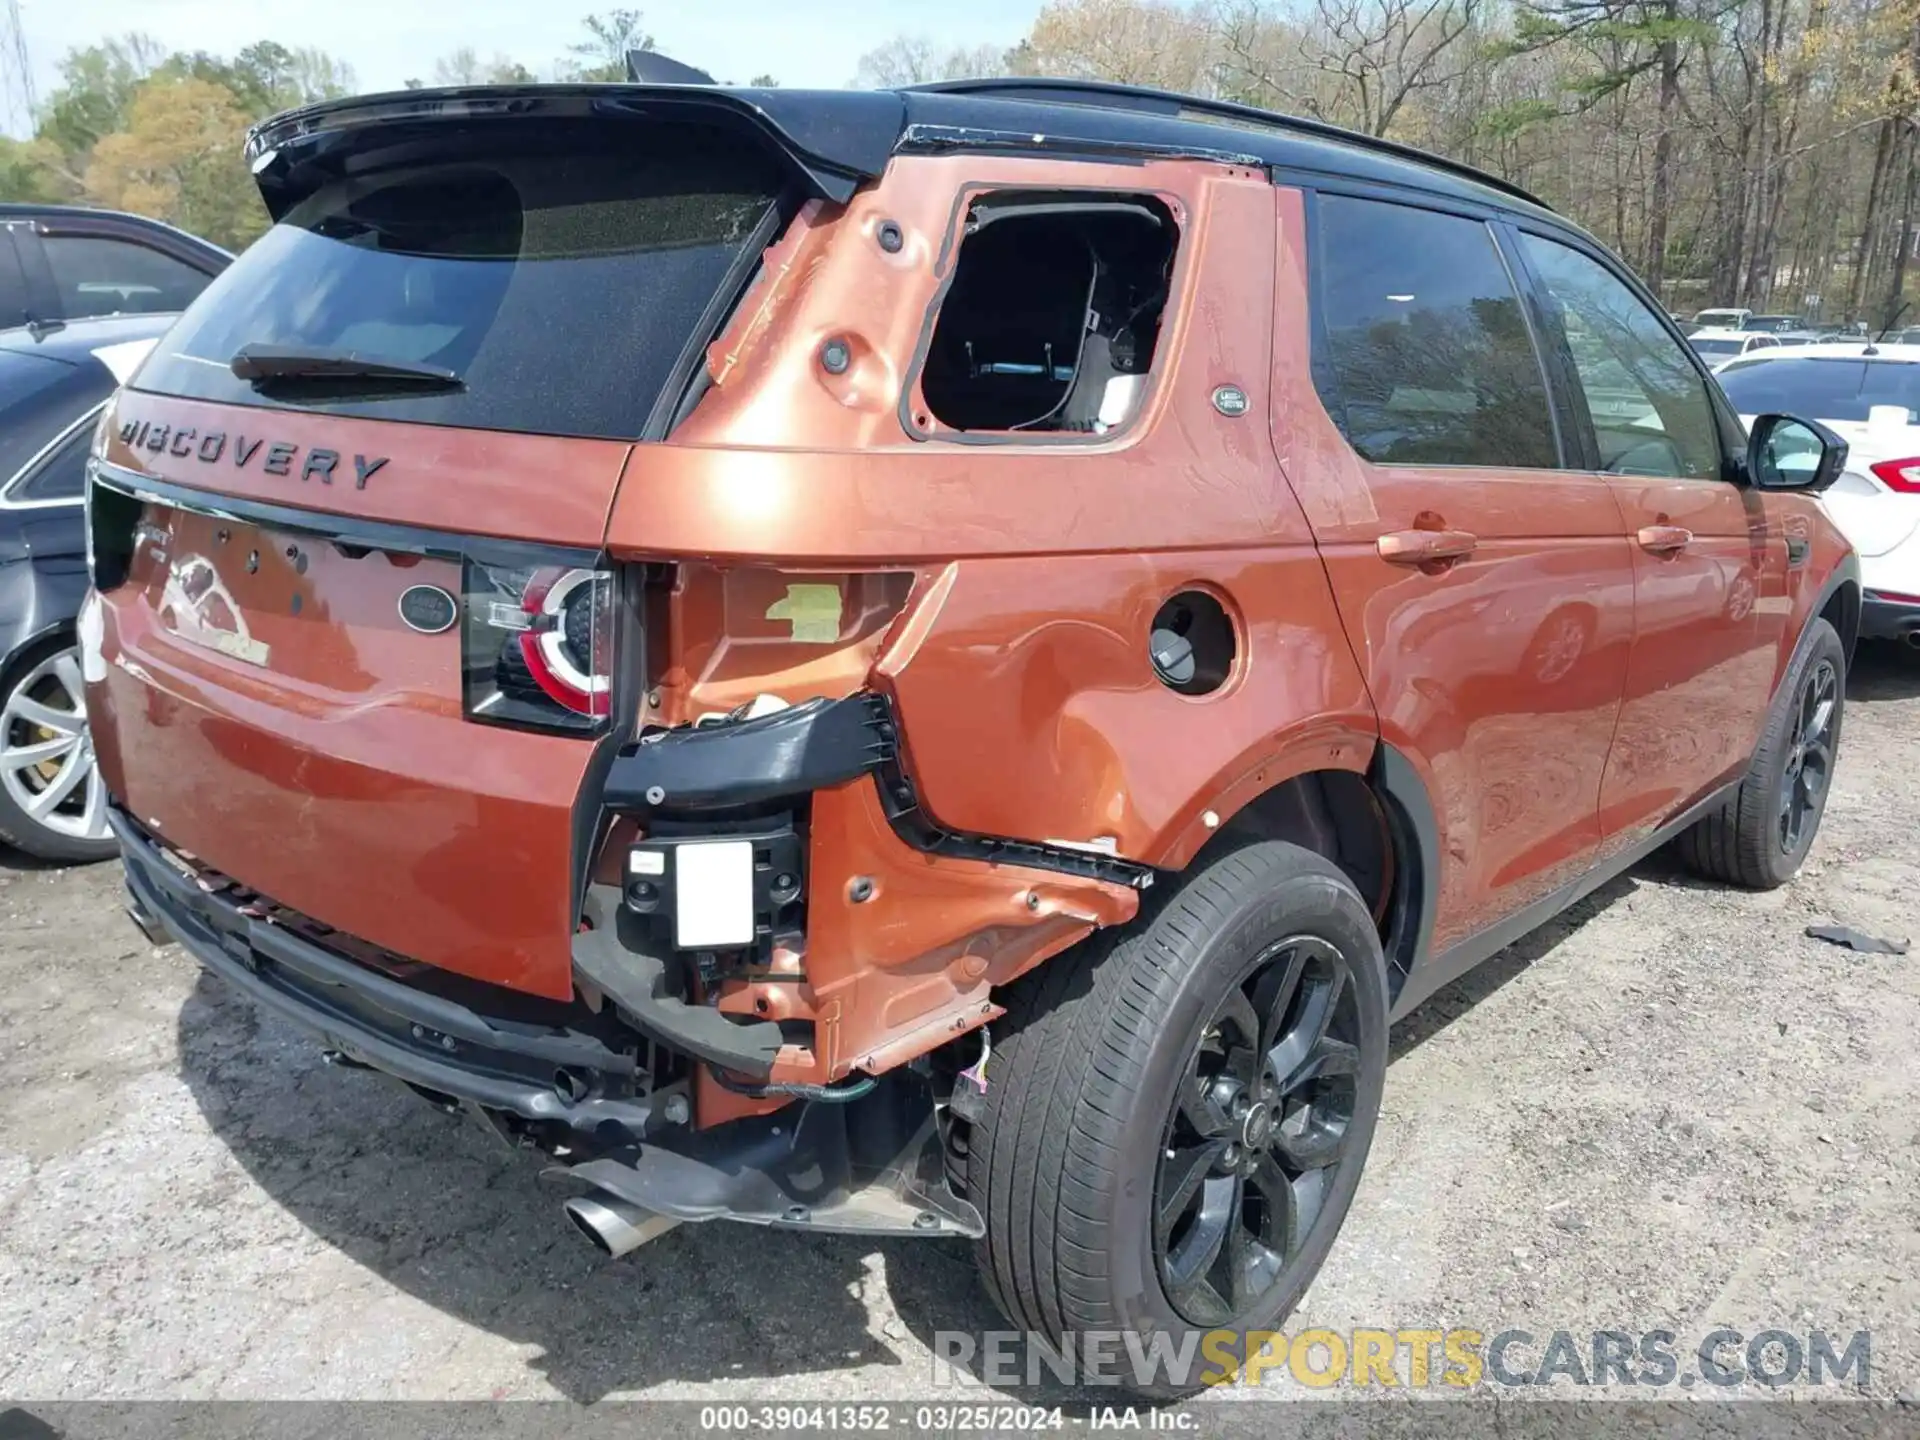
(427, 378)
(264, 707)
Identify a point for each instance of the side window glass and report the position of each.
(1053, 316)
(1428, 359)
(1649, 405)
(62, 475)
(98, 276)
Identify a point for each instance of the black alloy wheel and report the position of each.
(1257, 1132)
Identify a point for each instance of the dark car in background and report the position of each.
(53, 384)
(63, 262)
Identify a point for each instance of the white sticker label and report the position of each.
(713, 894)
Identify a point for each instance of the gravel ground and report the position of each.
(1668, 1109)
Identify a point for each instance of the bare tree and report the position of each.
(916, 60)
(1137, 42)
(1357, 62)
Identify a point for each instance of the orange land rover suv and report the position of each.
(937, 662)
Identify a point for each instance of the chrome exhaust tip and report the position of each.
(615, 1226)
(151, 929)
(1912, 637)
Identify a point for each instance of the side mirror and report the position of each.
(1784, 453)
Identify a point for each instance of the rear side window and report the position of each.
(1823, 388)
(95, 275)
(1054, 313)
(1423, 355)
(14, 309)
(559, 270)
(61, 474)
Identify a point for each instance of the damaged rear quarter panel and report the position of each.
(1020, 666)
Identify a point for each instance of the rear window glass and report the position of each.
(559, 274)
(61, 474)
(1823, 389)
(1719, 347)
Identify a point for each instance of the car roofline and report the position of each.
(1109, 95)
(841, 139)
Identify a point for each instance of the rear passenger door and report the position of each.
(1480, 572)
(1709, 569)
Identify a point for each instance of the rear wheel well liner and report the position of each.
(1840, 608)
(1377, 826)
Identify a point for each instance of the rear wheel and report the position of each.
(1176, 1123)
(1761, 836)
(52, 800)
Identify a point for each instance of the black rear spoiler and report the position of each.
(835, 139)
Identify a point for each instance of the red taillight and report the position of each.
(538, 646)
(1894, 596)
(1901, 475)
(567, 650)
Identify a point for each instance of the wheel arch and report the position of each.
(1376, 822)
(40, 601)
(1837, 601)
(1840, 607)
(18, 646)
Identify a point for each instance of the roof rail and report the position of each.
(1174, 105)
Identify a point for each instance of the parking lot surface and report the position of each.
(1669, 1109)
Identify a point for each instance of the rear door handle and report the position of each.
(1421, 547)
(1663, 539)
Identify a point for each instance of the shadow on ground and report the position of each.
(439, 1208)
(1884, 670)
(12, 859)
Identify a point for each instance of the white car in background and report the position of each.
(1870, 395)
(1717, 347)
(1725, 318)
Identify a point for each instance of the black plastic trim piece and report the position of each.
(925, 139)
(613, 955)
(790, 753)
(813, 746)
(837, 140)
(389, 1026)
(915, 825)
(345, 529)
(1416, 871)
(1846, 573)
(870, 1166)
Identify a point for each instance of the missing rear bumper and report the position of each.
(539, 1069)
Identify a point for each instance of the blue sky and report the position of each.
(799, 42)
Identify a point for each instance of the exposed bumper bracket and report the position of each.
(615, 957)
(873, 1167)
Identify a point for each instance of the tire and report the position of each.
(1754, 840)
(1070, 1161)
(41, 706)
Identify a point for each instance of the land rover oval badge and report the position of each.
(428, 609)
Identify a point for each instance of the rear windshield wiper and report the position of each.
(281, 364)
